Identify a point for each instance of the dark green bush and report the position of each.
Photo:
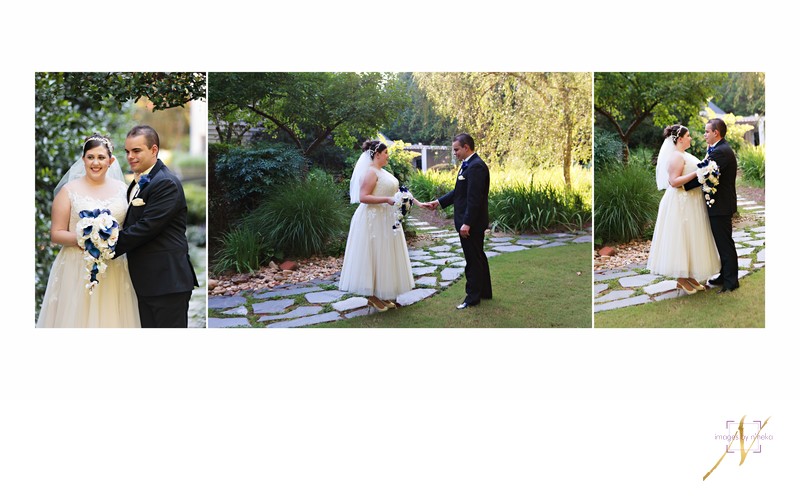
(625, 202)
(303, 217)
(248, 173)
(607, 148)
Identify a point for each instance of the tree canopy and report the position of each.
(538, 118)
(743, 94)
(305, 109)
(626, 100)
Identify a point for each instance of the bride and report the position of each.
(94, 182)
(683, 246)
(376, 262)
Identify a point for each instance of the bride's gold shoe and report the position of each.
(686, 286)
(697, 285)
(389, 304)
(377, 304)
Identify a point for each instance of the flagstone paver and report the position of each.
(622, 303)
(637, 281)
(426, 281)
(427, 270)
(413, 296)
(273, 306)
(598, 288)
(612, 275)
(532, 242)
(241, 310)
(511, 248)
(308, 320)
(666, 285)
(614, 295)
(324, 297)
(222, 302)
(452, 273)
(291, 291)
(552, 244)
(295, 313)
(350, 304)
(224, 323)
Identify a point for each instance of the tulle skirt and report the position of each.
(376, 257)
(683, 245)
(67, 302)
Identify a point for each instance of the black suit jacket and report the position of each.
(154, 237)
(470, 197)
(725, 198)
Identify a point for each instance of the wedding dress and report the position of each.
(683, 245)
(67, 302)
(376, 259)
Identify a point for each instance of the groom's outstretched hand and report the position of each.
(431, 205)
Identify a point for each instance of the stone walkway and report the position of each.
(318, 301)
(634, 285)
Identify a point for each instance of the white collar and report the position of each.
(467, 159)
(715, 143)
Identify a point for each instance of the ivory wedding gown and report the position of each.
(683, 245)
(376, 259)
(67, 302)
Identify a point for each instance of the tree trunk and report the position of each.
(568, 159)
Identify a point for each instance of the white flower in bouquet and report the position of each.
(98, 233)
(403, 201)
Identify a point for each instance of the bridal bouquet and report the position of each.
(403, 200)
(709, 179)
(98, 232)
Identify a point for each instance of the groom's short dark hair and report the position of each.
(718, 125)
(149, 134)
(465, 139)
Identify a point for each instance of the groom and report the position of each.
(154, 235)
(470, 200)
(721, 212)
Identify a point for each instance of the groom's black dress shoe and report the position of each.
(725, 289)
(716, 281)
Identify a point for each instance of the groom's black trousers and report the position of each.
(170, 311)
(479, 283)
(722, 229)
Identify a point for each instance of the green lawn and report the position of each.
(537, 288)
(743, 308)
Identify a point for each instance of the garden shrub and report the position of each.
(752, 162)
(626, 202)
(303, 216)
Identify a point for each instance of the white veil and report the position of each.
(78, 170)
(361, 167)
(662, 164)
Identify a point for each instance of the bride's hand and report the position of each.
(390, 201)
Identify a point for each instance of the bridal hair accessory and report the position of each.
(100, 138)
(372, 151)
(676, 133)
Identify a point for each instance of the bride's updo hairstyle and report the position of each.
(373, 147)
(97, 140)
(675, 132)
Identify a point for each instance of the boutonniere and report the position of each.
(461, 177)
(138, 202)
(143, 181)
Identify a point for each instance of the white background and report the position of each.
(409, 412)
